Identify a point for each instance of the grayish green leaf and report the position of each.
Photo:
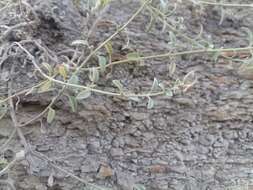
(173, 38)
(48, 67)
(100, 4)
(93, 187)
(109, 49)
(216, 56)
(118, 84)
(155, 85)
(73, 79)
(222, 15)
(102, 63)
(94, 75)
(161, 85)
(133, 55)
(50, 180)
(139, 187)
(31, 91)
(83, 94)
(134, 98)
(150, 103)
(72, 103)
(169, 93)
(50, 115)
(3, 162)
(189, 76)
(172, 68)
(80, 42)
(250, 36)
(45, 87)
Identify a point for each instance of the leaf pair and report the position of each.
(72, 100)
(94, 75)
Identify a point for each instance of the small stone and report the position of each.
(184, 101)
(116, 152)
(139, 116)
(245, 72)
(131, 142)
(158, 168)
(219, 115)
(105, 171)
(94, 146)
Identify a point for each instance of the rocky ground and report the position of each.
(200, 140)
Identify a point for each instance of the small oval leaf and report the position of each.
(134, 98)
(73, 80)
(169, 93)
(80, 42)
(63, 71)
(109, 49)
(139, 187)
(250, 36)
(189, 76)
(161, 85)
(94, 75)
(50, 180)
(83, 94)
(155, 85)
(172, 68)
(31, 91)
(48, 67)
(50, 115)
(45, 87)
(133, 55)
(72, 103)
(173, 38)
(102, 63)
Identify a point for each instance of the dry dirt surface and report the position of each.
(199, 140)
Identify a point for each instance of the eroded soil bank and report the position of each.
(200, 140)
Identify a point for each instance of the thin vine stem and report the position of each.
(76, 85)
(208, 51)
(112, 36)
(162, 16)
(235, 5)
(21, 92)
(126, 61)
